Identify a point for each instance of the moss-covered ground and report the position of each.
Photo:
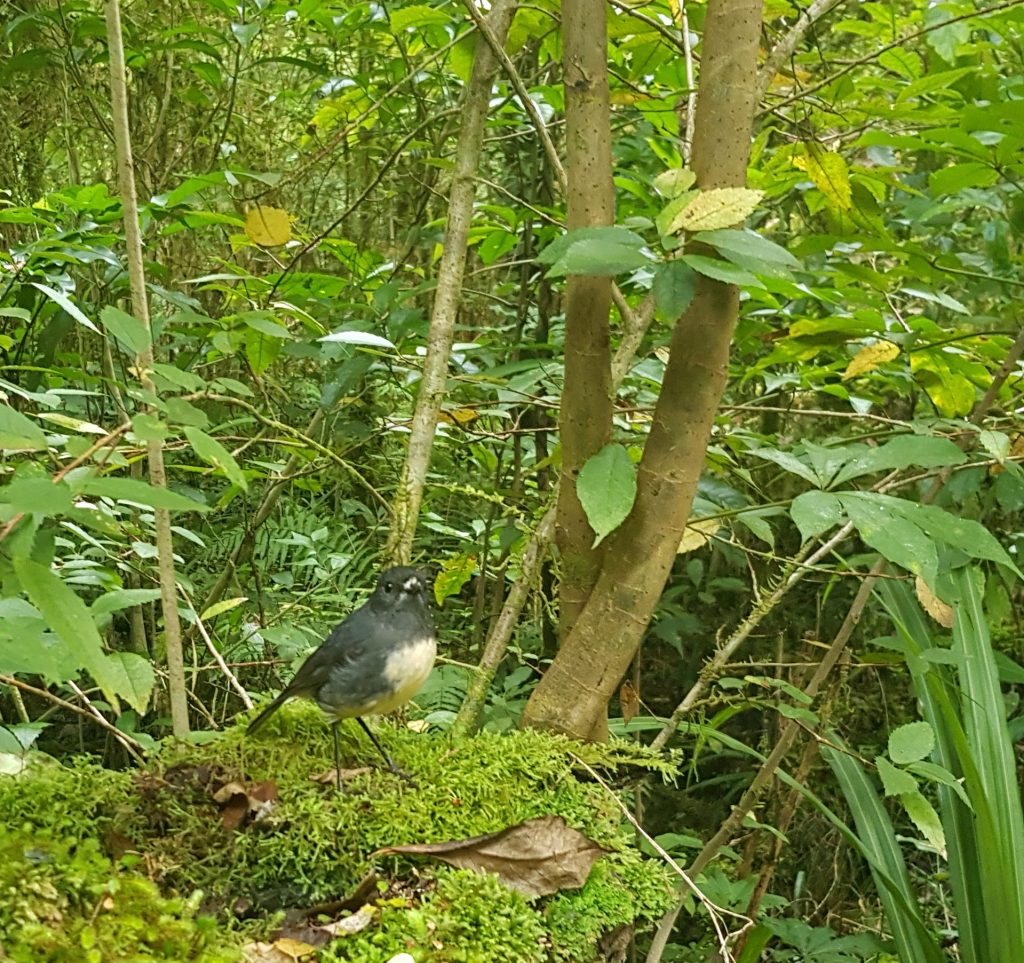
(99, 865)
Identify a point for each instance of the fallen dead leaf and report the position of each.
(239, 803)
(932, 604)
(536, 858)
(329, 776)
(280, 951)
(355, 923)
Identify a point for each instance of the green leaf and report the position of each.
(67, 615)
(38, 496)
(789, 462)
(883, 527)
(911, 743)
(674, 284)
(902, 452)
(67, 304)
(139, 492)
(600, 257)
(815, 512)
(750, 246)
(119, 599)
(135, 678)
(145, 427)
(18, 433)
(606, 488)
(224, 605)
(455, 573)
(895, 782)
(245, 33)
(418, 15)
(214, 453)
(26, 647)
(724, 271)
(130, 331)
(926, 819)
(670, 218)
(672, 183)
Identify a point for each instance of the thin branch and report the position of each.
(136, 749)
(786, 47)
(217, 657)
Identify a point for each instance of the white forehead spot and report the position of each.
(411, 583)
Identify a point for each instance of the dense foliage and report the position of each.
(293, 164)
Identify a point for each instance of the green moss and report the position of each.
(63, 901)
(314, 846)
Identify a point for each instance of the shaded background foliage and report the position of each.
(889, 150)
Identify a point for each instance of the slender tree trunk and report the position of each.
(586, 413)
(596, 654)
(144, 364)
(405, 511)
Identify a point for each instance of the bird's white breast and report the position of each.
(406, 669)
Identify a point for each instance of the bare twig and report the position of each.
(217, 657)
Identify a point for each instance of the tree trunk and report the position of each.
(586, 412)
(595, 655)
(406, 508)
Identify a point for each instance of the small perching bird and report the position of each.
(374, 661)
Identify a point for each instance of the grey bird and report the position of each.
(374, 661)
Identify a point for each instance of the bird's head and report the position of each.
(402, 585)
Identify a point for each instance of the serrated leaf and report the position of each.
(67, 615)
(606, 488)
(130, 331)
(672, 183)
(38, 496)
(670, 218)
(922, 813)
(214, 453)
(895, 782)
(870, 357)
(885, 528)
(829, 173)
(673, 288)
(58, 297)
(923, 451)
(815, 512)
(911, 742)
(455, 573)
(723, 207)
(557, 249)
(724, 271)
(996, 443)
(134, 678)
(932, 604)
(139, 492)
(600, 257)
(18, 433)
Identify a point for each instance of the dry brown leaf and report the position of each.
(697, 534)
(536, 858)
(268, 226)
(280, 951)
(870, 357)
(330, 777)
(239, 803)
(350, 925)
(932, 604)
(629, 700)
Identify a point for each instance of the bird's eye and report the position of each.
(388, 587)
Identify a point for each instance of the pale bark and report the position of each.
(144, 364)
(594, 657)
(585, 417)
(406, 507)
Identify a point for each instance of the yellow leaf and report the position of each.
(932, 604)
(697, 534)
(829, 172)
(268, 226)
(723, 207)
(870, 357)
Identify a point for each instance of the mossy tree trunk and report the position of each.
(596, 653)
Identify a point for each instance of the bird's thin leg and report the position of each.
(337, 755)
(380, 749)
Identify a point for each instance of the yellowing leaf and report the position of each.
(870, 357)
(724, 207)
(458, 416)
(268, 226)
(829, 172)
(697, 534)
(932, 604)
(675, 181)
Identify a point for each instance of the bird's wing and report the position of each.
(345, 645)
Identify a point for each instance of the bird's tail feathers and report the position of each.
(257, 723)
